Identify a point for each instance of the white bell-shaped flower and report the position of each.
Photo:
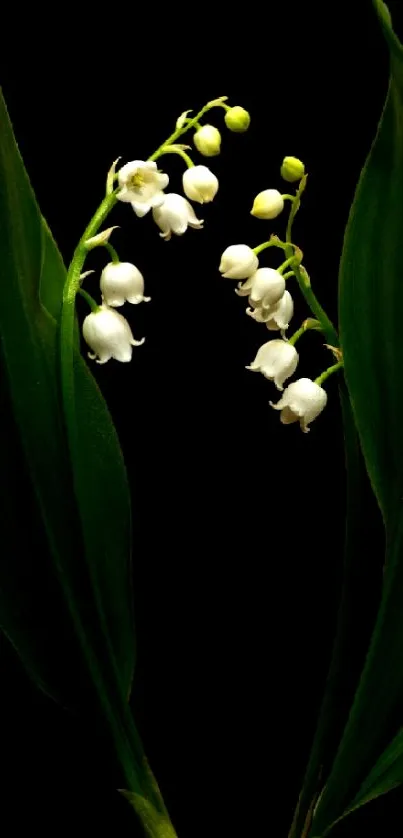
(280, 314)
(109, 335)
(175, 215)
(141, 185)
(264, 288)
(121, 282)
(238, 262)
(302, 401)
(200, 184)
(268, 204)
(277, 360)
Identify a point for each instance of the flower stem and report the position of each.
(71, 287)
(307, 324)
(90, 300)
(303, 279)
(286, 264)
(330, 370)
(172, 149)
(272, 242)
(192, 123)
(110, 248)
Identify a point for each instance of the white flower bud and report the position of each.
(292, 169)
(109, 335)
(302, 401)
(175, 215)
(142, 185)
(268, 204)
(264, 288)
(200, 184)
(238, 262)
(121, 281)
(237, 119)
(207, 140)
(277, 360)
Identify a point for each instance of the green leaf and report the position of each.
(75, 594)
(371, 310)
(357, 612)
(88, 535)
(386, 775)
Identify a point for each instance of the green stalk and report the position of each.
(143, 792)
(302, 277)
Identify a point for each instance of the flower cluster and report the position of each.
(271, 303)
(143, 185)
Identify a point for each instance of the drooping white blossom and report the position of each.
(264, 287)
(281, 313)
(268, 204)
(109, 335)
(278, 316)
(141, 185)
(200, 184)
(175, 215)
(302, 401)
(238, 262)
(277, 360)
(121, 282)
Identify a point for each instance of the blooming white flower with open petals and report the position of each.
(277, 360)
(200, 184)
(141, 185)
(264, 287)
(109, 335)
(175, 215)
(268, 204)
(238, 262)
(302, 401)
(121, 281)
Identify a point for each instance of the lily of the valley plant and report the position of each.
(75, 469)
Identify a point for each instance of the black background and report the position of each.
(238, 521)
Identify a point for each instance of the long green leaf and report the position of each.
(92, 531)
(371, 310)
(80, 500)
(386, 775)
(355, 621)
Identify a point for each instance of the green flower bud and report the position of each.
(292, 169)
(207, 140)
(237, 119)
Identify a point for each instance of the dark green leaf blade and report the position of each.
(96, 532)
(386, 775)
(371, 307)
(356, 617)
